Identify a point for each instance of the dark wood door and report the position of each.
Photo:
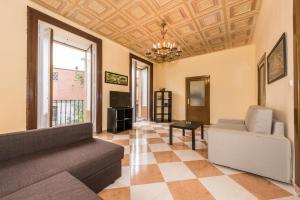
(297, 89)
(198, 99)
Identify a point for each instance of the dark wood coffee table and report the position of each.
(184, 125)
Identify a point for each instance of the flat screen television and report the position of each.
(119, 99)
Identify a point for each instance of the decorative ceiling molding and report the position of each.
(198, 26)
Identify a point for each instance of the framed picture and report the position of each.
(262, 76)
(117, 79)
(277, 63)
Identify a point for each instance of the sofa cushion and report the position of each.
(17, 144)
(259, 119)
(62, 186)
(238, 127)
(82, 160)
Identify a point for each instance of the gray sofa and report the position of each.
(256, 145)
(58, 160)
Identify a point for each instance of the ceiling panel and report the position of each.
(199, 26)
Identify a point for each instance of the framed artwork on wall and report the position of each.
(261, 77)
(117, 79)
(277, 61)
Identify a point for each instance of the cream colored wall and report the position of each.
(273, 20)
(13, 51)
(232, 81)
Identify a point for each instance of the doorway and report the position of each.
(62, 61)
(141, 88)
(198, 99)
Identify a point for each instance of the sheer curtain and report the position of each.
(44, 48)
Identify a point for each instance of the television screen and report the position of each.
(119, 99)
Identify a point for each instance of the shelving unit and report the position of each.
(119, 119)
(163, 106)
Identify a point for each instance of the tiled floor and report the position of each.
(154, 170)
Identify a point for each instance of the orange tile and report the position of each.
(143, 174)
(121, 142)
(164, 134)
(155, 140)
(203, 152)
(179, 146)
(202, 168)
(105, 136)
(139, 148)
(189, 190)
(149, 131)
(260, 187)
(117, 193)
(166, 156)
(185, 138)
(125, 160)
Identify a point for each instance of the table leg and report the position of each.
(171, 135)
(193, 139)
(202, 131)
(183, 132)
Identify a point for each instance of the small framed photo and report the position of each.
(277, 61)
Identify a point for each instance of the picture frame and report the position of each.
(261, 80)
(277, 61)
(117, 79)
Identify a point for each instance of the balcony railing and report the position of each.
(66, 112)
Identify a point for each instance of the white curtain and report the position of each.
(43, 76)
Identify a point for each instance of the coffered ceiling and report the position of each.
(198, 26)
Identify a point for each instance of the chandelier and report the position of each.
(164, 51)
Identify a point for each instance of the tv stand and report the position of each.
(119, 119)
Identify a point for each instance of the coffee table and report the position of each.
(186, 125)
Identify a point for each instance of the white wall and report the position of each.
(273, 20)
(13, 63)
(232, 81)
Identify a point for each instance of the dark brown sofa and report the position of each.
(30, 157)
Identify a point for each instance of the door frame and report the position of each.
(186, 93)
(261, 64)
(33, 17)
(296, 18)
(131, 75)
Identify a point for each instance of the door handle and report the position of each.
(188, 101)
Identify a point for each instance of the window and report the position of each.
(55, 76)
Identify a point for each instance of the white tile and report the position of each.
(121, 137)
(151, 135)
(124, 180)
(227, 170)
(155, 191)
(159, 147)
(198, 144)
(224, 188)
(126, 149)
(138, 141)
(175, 171)
(142, 159)
(188, 155)
(175, 140)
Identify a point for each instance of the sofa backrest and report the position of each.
(16, 144)
(259, 119)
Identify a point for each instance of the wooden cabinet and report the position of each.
(162, 106)
(119, 119)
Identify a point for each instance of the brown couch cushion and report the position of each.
(62, 186)
(17, 144)
(82, 160)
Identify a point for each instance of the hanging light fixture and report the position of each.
(164, 51)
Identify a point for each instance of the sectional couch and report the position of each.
(57, 163)
(256, 145)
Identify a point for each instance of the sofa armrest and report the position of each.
(265, 155)
(231, 121)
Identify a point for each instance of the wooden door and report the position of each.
(198, 99)
(297, 89)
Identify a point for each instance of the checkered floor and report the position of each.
(154, 170)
